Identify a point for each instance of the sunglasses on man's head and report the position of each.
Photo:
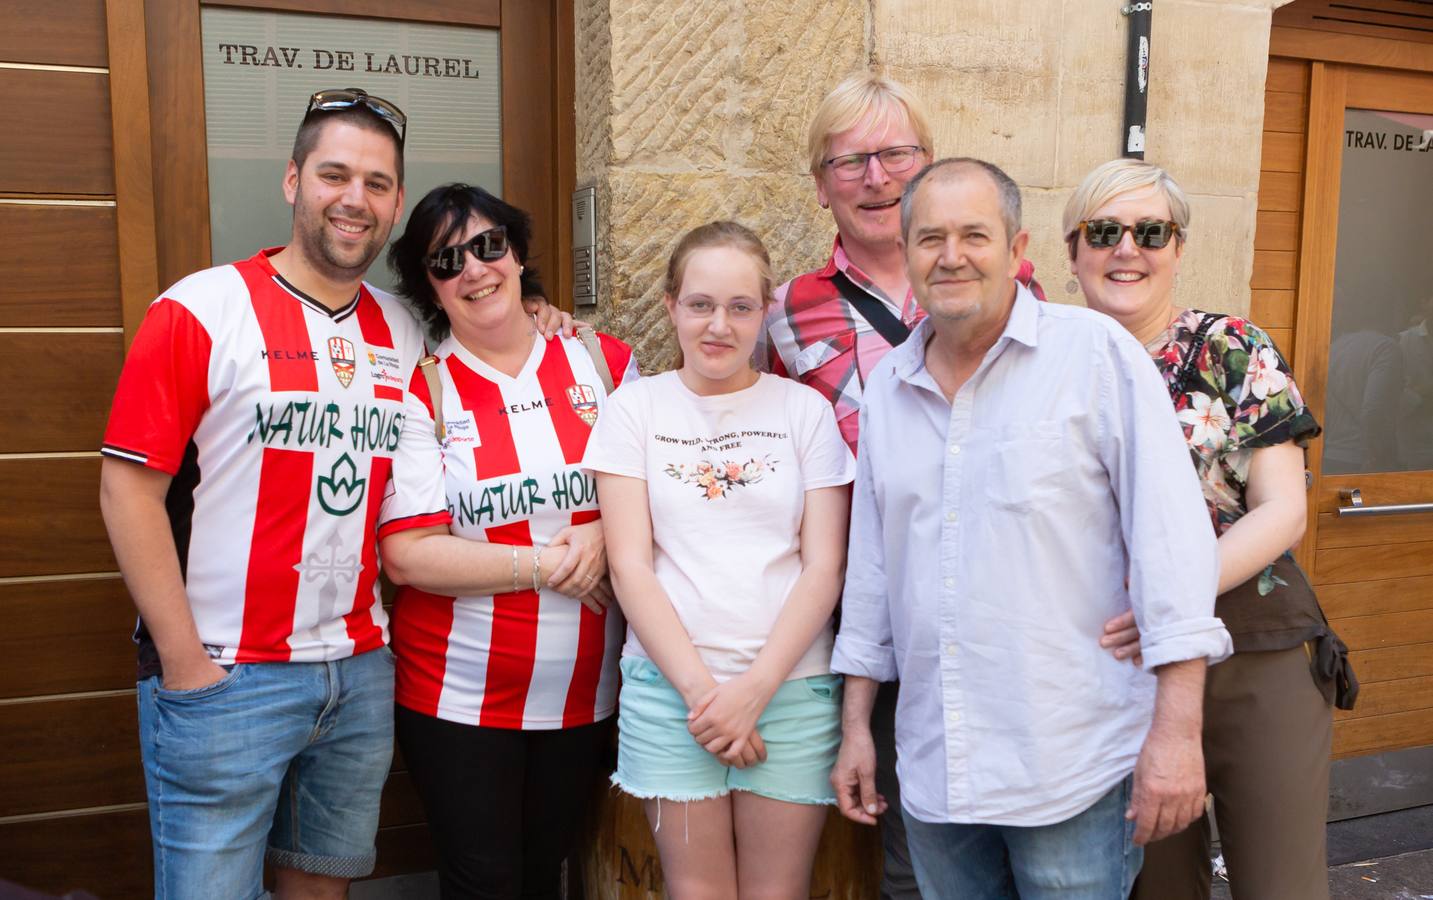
(1151, 234)
(488, 246)
(347, 98)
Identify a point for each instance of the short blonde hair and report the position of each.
(864, 95)
(1120, 176)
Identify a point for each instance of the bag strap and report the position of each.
(594, 350)
(1196, 350)
(428, 365)
(872, 310)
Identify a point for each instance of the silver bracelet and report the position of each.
(536, 558)
(514, 567)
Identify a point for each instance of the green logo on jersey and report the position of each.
(341, 490)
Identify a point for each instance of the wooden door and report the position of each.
(1365, 361)
(103, 202)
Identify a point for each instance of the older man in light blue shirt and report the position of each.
(1021, 479)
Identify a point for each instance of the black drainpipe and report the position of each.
(1136, 78)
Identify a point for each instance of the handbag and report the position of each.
(1277, 609)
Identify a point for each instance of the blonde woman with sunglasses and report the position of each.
(1267, 716)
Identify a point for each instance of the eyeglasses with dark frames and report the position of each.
(852, 166)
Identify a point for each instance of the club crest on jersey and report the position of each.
(340, 353)
(584, 403)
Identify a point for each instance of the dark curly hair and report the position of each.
(437, 220)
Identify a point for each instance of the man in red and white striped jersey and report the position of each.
(252, 434)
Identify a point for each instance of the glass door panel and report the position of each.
(260, 68)
(1379, 405)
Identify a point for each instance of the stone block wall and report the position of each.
(693, 110)
(689, 110)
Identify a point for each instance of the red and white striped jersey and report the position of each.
(279, 420)
(510, 472)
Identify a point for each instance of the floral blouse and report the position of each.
(1241, 398)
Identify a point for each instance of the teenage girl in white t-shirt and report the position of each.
(724, 505)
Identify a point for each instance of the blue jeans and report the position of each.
(1089, 857)
(288, 756)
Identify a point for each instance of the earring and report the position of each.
(521, 269)
(1072, 286)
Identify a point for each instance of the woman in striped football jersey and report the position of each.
(505, 643)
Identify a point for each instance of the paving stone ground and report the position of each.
(1405, 877)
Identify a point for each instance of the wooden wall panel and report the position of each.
(1405, 560)
(1413, 91)
(60, 267)
(1273, 297)
(69, 381)
(1277, 230)
(1275, 270)
(67, 636)
(1392, 663)
(133, 161)
(180, 161)
(456, 12)
(1379, 734)
(1282, 151)
(1288, 76)
(65, 146)
(34, 33)
(1281, 191)
(1384, 697)
(1357, 49)
(1376, 487)
(1272, 309)
(106, 854)
(70, 754)
(1407, 20)
(1341, 531)
(1283, 339)
(1368, 598)
(1395, 629)
(527, 86)
(1285, 112)
(50, 520)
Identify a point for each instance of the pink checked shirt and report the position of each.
(814, 335)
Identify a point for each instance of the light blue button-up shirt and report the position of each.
(990, 541)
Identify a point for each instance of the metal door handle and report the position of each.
(1351, 504)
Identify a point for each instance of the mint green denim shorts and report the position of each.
(658, 757)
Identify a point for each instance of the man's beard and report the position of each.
(323, 252)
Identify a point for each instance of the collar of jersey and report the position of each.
(338, 315)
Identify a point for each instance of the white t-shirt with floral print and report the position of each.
(727, 478)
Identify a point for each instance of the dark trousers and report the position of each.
(504, 806)
(1267, 733)
(898, 878)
